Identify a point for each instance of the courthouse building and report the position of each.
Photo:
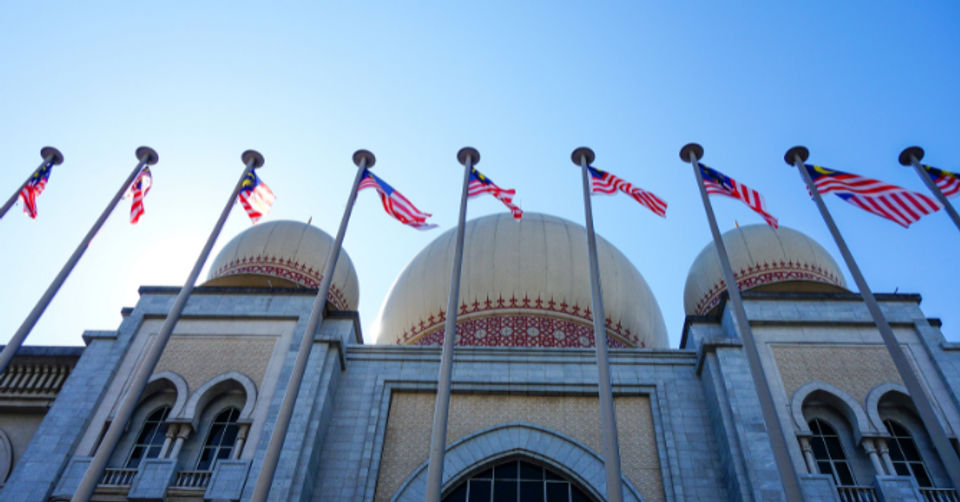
(524, 419)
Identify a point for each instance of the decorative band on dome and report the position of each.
(285, 269)
(766, 273)
(501, 318)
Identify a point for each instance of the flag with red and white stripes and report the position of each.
(138, 190)
(718, 183)
(32, 189)
(947, 182)
(882, 199)
(255, 197)
(480, 184)
(606, 183)
(395, 203)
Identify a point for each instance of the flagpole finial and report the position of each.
(792, 154)
(910, 153)
(583, 152)
(51, 155)
(471, 152)
(360, 155)
(147, 155)
(252, 157)
(691, 148)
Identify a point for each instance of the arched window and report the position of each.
(220, 440)
(829, 453)
(150, 439)
(517, 481)
(905, 455)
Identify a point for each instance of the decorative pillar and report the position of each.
(885, 455)
(869, 446)
(808, 455)
(182, 434)
(168, 439)
(242, 430)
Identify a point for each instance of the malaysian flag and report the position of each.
(395, 203)
(480, 184)
(877, 197)
(947, 182)
(255, 196)
(31, 190)
(138, 190)
(604, 182)
(719, 183)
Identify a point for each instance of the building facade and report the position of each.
(524, 420)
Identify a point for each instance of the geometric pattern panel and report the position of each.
(407, 441)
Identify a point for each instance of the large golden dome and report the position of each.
(285, 254)
(524, 283)
(762, 258)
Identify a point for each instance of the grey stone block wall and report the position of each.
(152, 479)
(52, 446)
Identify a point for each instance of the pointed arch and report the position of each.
(169, 379)
(846, 405)
(877, 394)
(217, 386)
(557, 451)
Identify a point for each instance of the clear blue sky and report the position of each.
(523, 82)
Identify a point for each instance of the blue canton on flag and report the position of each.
(716, 182)
(882, 199)
(947, 182)
(255, 197)
(480, 184)
(395, 203)
(604, 182)
(32, 189)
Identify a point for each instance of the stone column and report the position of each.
(885, 455)
(182, 434)
(242, 430)
(168, 440)
(870, 447)
(808, 455)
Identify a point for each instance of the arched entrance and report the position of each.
(517, 480)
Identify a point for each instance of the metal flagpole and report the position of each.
(364, 160)
(252, 160)
(438, 437)
(50, 155)
(692, 153)
(912, 156)
(584, 156)
(796, 156)
(146, 156)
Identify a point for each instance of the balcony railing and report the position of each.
(117, 477)
(939, 495)
(192, 479)
(857, 494)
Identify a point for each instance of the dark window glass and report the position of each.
(479, 491)
(530, 471)
(531, 490)
(220, 439)
(905, 454)
(517, 482)
(151, 437)
(506, 471)
(458, 495)
(558, 492)
(828, 451)
(505, 489)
